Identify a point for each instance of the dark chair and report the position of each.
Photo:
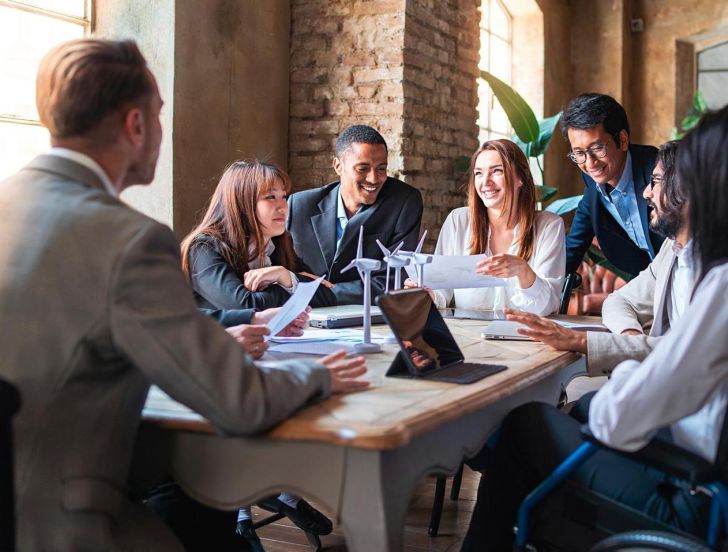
(439, 502)
(571, 282)
(9, 404)
(699, 474)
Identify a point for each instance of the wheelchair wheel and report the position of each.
(637, 541)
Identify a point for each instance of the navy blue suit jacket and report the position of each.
(394, 217)
(593, 219)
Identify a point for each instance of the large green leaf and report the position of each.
(544, 193)
(699, 106)
(565, 205)
(519, 113)
(595, 255)
(546, 129)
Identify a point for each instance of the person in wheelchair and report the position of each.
(679, 390)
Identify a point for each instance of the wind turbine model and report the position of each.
(396, 262)
(365, 268)
(420, 260)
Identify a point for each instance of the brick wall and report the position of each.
(346, 68)
(406, 67)
(441, 50)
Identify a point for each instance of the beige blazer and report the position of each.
(639, 305)
(94, 307)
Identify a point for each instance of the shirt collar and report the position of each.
(684, 254)
(89, 163)
(340, 211)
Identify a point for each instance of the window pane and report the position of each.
(714, 58)
(66, 7)
(714, 86)
(484, 49)
(499, 119)
(500, 21)
(19, 144)
(500, 59)
(24, 39)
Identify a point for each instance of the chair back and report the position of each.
(9, 405)
(571, 282)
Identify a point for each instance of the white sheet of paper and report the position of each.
(311, 347)
(295, 305)
(454, 272)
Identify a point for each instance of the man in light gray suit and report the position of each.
(639, 313)
(94, 307)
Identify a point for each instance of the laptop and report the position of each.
(428, 349)
(505, 330)
(343, 316)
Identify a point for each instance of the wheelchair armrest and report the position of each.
(9, 399)
(665, 456)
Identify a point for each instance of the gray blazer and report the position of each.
(94, 307)
(639, 305)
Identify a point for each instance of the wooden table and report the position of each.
(361, 454)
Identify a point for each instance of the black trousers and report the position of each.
(535, 438)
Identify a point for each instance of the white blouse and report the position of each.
(548, 261)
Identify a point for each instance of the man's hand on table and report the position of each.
(294, 329)
(548, 331)
(344, 371)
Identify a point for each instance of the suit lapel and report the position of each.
(640, 180)
(324, 225)
(663, 290)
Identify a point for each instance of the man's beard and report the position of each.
(667, 224)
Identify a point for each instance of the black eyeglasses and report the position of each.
(656, 181)
(597, 151)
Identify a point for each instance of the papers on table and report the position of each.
(320, 342)
(455, 272)
(295, 305)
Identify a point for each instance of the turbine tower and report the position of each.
(365, 268)
(396, 262)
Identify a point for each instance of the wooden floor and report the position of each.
(283, 536)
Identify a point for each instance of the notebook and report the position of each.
(428, 349)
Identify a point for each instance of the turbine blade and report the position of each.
(351, 265)
(396, 249)
(384, 249)
(422, 241)
(360, 246)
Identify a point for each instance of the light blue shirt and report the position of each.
(623, 207)
(341, 218)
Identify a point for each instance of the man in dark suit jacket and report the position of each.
(325, 222)
(615, 174)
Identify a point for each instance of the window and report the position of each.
(28, 30)
(713, 75)
(496, 44)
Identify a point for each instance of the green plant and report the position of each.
(532, 135)
(698, 108)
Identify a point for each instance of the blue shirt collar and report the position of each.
(340, 211)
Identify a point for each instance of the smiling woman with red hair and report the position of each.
(523, 246)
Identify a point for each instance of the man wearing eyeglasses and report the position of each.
(615, 174)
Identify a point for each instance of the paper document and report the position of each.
(455, 272)
(320, 342)
(295, 305)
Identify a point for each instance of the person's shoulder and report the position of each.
(547, 218)
(313, 195)
(397, 187)
(458, 216)
(643, 151)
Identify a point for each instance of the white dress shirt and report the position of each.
(89, 163)
(548, 261)
(683, 280)
(683, 384)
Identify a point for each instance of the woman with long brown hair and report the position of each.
(240, 255)
(523, 246)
